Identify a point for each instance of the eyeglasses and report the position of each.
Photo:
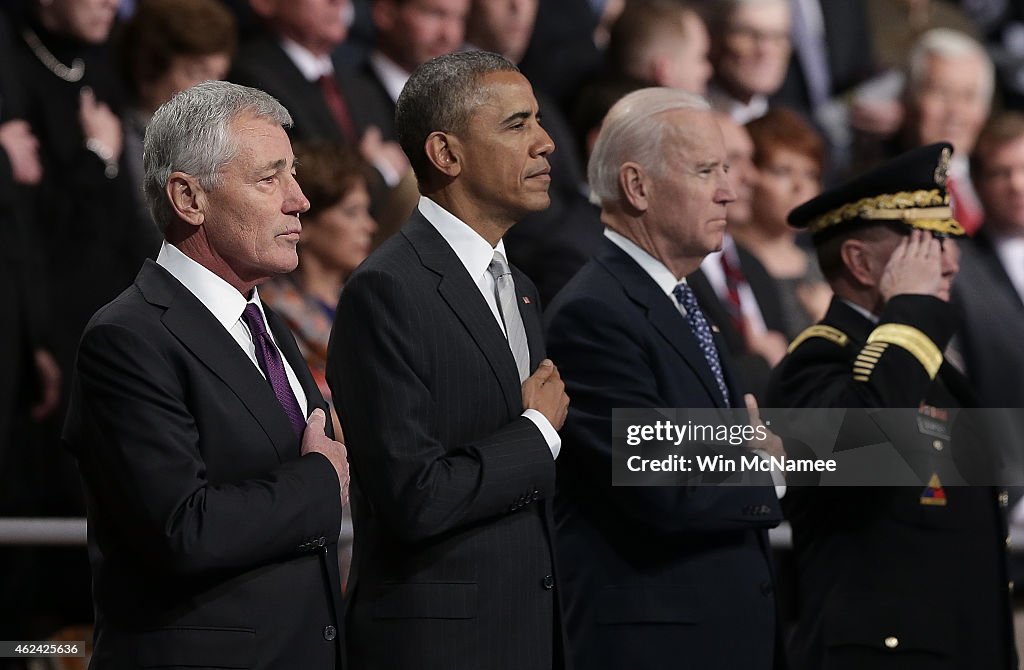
(747, 35)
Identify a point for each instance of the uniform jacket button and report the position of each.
(549, 582)
(330, 632)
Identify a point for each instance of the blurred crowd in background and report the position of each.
(808, 92)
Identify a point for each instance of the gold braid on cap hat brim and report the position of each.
(927, 210)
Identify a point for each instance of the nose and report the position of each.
(295, 201)
(724, 194)
(544, 145)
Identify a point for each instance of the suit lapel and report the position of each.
(662, 314)
(994, 266)
(312, 116)
(197, 329)
(463, 297)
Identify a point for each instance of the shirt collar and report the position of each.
(223, 300)
(741, 113)
(390, 73)
(310, 65)
(863, 311)
(473, 250)
(661, 275)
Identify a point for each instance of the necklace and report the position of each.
(68, 74)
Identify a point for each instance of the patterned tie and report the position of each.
(701, 330)
(273, 367)
(508, 305)
(734, 278)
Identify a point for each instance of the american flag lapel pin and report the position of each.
(526, 300)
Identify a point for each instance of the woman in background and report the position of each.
(790, 157)
(337, 235)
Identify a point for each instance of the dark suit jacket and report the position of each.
(848, 47)
(262, 63)
(992, 324)
(877, 563)
(653, 577)
(452, 563)
(213, 543)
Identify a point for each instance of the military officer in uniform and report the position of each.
(892, 577)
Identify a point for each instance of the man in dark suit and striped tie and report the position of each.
(449, 407)
(661, 577)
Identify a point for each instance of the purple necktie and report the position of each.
(273, 367)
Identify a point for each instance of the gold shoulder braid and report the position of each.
(913, 340)
(829, 333)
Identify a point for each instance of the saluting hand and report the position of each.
(915, 267)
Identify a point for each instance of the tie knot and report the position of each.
(253, 319)
(684, 294)
(499, 266)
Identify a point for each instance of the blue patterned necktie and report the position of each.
(273, 367)
(702, 331)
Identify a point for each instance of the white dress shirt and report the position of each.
(1010, 251)
(310, 65)
(476, 254)
(390, 73)
(226, 304)
(712, 268)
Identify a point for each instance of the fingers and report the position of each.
(545, 370)
(317, 421)
(752, 409)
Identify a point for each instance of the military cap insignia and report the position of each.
(942, 169)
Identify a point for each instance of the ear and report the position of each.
(443, 153)
(187, 198)
(858, 261)
(634, 186)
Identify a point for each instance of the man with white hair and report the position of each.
(948, 95)
(214, 503)
(655, 575)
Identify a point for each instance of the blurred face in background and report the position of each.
(1000, 186)
(317, 25)
(341, 235)
(754, 51)
(89, 21)
(786, 179)
(183, 72)
(414, 31)
(951, 102)
(502, 26)
(688, 68)
(739, 150)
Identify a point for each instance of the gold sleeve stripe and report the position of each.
(914, 341)
(829, 333)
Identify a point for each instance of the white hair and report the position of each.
(947, 43)
(634, 130)
(189, 133)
